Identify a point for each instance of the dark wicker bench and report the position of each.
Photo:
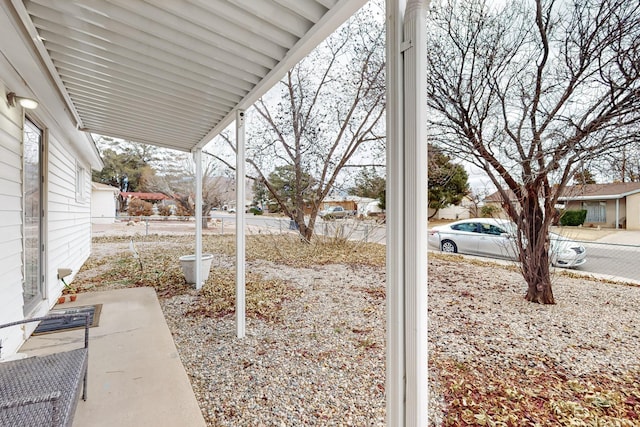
(44, 390)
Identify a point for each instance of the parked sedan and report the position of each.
(496, 238)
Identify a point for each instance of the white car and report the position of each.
(496, 238)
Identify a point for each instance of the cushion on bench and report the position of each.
(44, 390)
(57, 376)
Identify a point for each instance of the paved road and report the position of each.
(616, 254)
(612, 260)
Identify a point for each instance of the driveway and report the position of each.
(604, 235)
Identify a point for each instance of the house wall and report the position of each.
(66, 228)
(451, 212)
(11, 300)
(103, 206)
(68, 213)
(633, 212)
(66, 225)
(610, 212)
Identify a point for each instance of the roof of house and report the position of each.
(144, 196)
(615, 190)
(104, 187)
(611, 191)
(496, 197)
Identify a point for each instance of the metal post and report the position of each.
(240, 228)
(197, 158)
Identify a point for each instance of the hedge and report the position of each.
(573, 218)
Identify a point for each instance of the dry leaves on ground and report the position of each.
(508, 380)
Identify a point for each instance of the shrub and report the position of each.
(489, 211)
(181, 211)
(255, 211)
(573, 218)
(139, 207)
(164, 210)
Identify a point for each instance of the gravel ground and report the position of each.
(322, 365)
(477, 315)
(480, 312)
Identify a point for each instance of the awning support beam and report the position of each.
(407, 373)
(240, 225)
(197, 159)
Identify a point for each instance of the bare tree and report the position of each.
(621, 165)
(178, 182)
(327, 111)
(529, 91)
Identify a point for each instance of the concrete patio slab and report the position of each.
(136, 377)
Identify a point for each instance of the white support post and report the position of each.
(416, 188)
(197, 159)
(617, 213)
(240, 225)
(395, 370)
(407, 371)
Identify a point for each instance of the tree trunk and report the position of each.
(534, 250)
(538, 278)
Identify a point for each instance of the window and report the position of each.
(470, 227)
(80, 183)
(32, 211)
(596, 211)
(492, 229)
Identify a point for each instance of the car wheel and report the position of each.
(448, 246)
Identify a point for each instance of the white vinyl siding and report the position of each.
(68, 220)
(11, 300)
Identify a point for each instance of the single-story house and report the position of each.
(176, 74)
(614, 205)
(103, 203)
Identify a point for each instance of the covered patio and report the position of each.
(131, 354)
(176, 74)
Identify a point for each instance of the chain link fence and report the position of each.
(615, 261)
(367, 230)
(605, 259)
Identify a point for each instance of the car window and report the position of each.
(491, 229)
(471, 227)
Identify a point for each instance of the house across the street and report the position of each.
(614, 205)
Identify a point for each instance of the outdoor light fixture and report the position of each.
(27, 103)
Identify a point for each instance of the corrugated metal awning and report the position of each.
(171, 72)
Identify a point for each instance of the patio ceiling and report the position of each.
(172, 72)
